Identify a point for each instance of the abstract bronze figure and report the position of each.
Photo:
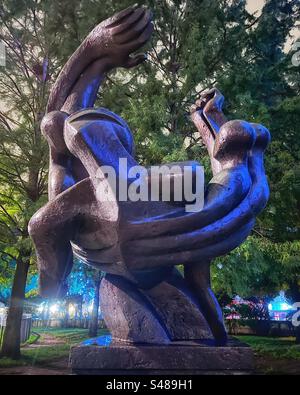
(144, 298)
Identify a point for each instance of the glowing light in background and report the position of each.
(72, 310)
(279, 308)
(54, 309)
(41, 308)
(285, 306)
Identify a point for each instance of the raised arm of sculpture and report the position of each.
(108, 46)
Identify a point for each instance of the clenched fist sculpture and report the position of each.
(138, 244)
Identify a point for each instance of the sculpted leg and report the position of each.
(197, 277)
(51, 229)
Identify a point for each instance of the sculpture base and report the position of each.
(101, 357)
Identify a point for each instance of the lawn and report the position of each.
(274, 355)
(45, 355)
(276, 347)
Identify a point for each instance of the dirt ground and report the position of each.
(264, 365)
(45, 340)
(269, 365)
(58, 368)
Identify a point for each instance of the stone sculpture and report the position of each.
(144, 298)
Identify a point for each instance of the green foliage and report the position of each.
(24, 87)
(257, 267)
(279, 347)
(33, 338)
(263, 86)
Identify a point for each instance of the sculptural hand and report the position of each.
(208, 118)
(109, 45)
(121, 35)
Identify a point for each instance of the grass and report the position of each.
(46, 355)
(37, 357)
(276, 347)
(69, 335)
(33, 338)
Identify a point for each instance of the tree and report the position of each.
(259, 267)
(6, 277)
(24, 86)
(93, 326)
(263, 86)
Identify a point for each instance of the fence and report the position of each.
(63, 323)
(260, 327)
(25, 327)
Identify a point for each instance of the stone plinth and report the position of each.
(101, 357)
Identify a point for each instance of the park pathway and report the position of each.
(57, 367)
(45, 340)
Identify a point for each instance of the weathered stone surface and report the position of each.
(182, 318)
(163, 313)
(128, 314)
(177, 357)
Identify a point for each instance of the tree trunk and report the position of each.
(93, 327)
(11, 339)
(67, 315)
(80, 312)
